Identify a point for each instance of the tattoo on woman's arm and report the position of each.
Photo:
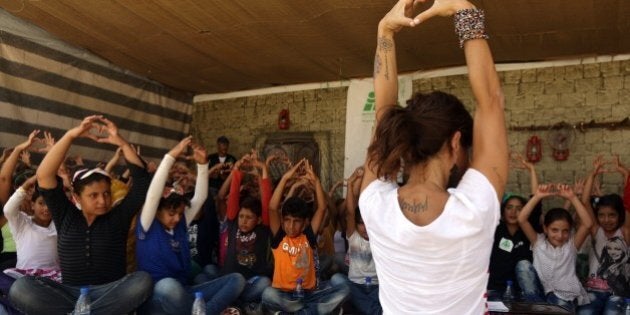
(384, 46)
(377, 64)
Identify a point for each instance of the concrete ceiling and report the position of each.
(210, 46)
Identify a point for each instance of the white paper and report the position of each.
(497, 307)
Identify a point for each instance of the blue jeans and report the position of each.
(35, 295)
(254, 286)
(527, 278)
(321, 301)
(209, 272)
(532, 289)
(602, 302)
(172, 297)
(364, 299)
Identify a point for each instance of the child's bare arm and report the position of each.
(354, 188)
(276, 198)
(322, 205)
(542, 192)
(8, 167)
(583, 230)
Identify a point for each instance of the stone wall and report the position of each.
(244, 120)
(535, 96)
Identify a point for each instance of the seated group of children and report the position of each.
(537, 255)
(71, 227)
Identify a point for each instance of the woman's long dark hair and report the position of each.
(411, 135)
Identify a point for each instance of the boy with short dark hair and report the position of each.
(293, 244)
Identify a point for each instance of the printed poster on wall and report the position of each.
(360, 118)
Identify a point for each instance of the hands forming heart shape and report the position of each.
(402, 14)
(562, 190)
(99, 129)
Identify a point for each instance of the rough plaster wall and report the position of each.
(542, 96)
(243, 119)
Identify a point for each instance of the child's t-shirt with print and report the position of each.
(293, 259)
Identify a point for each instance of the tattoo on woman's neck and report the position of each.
(414, 207)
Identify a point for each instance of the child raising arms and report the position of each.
(555, 250)
(293, 243)
(362, 278)
(607, 283)
(162, 242)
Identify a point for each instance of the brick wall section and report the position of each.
(244, 119)
(541, 96)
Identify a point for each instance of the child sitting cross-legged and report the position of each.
(555, 251)
(608, 282)
(293, 243)
(162, 243)
(34, 233)
(35, 236)
(248, 235)
(91, 234)
(362, 277)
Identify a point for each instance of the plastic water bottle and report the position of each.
(83, 303)
(508, 295)
(199, 305)
(299, 290)
(627, 312)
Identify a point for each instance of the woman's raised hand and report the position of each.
(441, 8)
(179, 148)
(399, 16)
(110, 131)
(85, 127)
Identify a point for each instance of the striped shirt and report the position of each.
(94, 254)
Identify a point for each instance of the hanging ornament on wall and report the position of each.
(560, 139)
(533, 151)
(283, 119)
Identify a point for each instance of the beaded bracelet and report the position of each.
(469, 24)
